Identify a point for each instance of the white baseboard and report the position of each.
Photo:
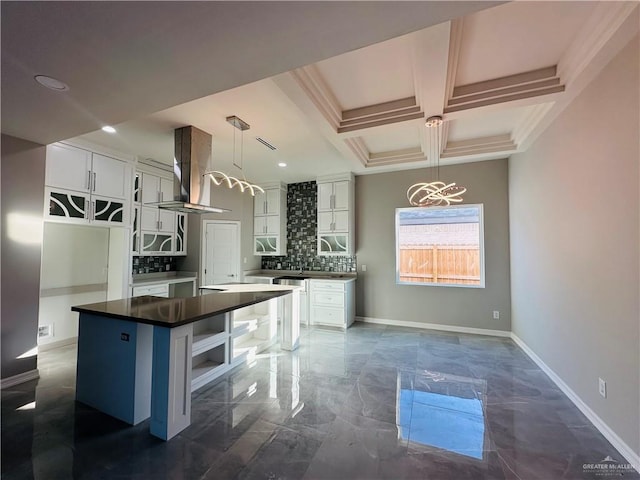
(435, 326)
(60, 343)
(627, 452)
(20, 378)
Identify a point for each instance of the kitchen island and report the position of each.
(142, 357)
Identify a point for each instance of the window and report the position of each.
(440, 246)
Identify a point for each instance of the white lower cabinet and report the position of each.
(332, 302)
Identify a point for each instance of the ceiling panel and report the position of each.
(498, 122)
(407, 136)
(517, 37)
(371, 75)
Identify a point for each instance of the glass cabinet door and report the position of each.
(153, 242)
(108, 211)
(265, 245)
(333, 244)
(67, 205)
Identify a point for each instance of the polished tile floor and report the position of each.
(375, 402)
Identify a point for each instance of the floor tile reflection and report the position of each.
(374, 402)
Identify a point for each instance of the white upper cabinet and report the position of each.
(107, 176)
(336, 215)
(270, 220)
(267, 203)
(84, 186)
(157, 220)
(156, 189)
(159, 231)
(334, 195)
(68, 167)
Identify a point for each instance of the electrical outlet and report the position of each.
(363, 268)
(496, 315)
(602, 387)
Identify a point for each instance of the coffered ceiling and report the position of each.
(498, 76)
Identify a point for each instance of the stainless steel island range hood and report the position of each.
(192, 156)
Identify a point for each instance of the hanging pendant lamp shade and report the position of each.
(436, 192)
(219, 178)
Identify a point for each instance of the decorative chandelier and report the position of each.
(219, 178)
(434, 193)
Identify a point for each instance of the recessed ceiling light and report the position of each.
(108, 129)
(51, 83)
(282, 164)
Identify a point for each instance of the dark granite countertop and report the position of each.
(173, 312)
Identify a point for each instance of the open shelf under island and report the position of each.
(143, 357)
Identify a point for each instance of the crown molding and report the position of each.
(478, 146)
(528, 124)
(455, 42)
(605, 20)
(315, 87)
(358, 148)
(396, 157)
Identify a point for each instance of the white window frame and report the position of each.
(480, 208)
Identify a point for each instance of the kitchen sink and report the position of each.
(292, 277)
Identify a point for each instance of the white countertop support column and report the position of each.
(289, 306)
(171, 380)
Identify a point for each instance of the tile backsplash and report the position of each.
(153, 264)
(302, 231)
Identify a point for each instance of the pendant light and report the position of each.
(219, 178)
(436, 192)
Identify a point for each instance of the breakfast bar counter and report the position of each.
(142, 357)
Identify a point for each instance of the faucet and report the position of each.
(301, 269)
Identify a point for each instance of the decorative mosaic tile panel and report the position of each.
(302, 232)
(153, 264)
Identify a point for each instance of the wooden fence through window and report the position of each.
(457, 264)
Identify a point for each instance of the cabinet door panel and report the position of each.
(259, 226)
(150, 188)
(327, 316)
(156, 243)
(149, 218)
(107, 210)
(166, 190)
(273, 225)
(68, 167)
(325, 191)
(330, 243)
(341, 221)
(135, 232)
(167, 220)
(325, 219)
(65, 205)
(260, 203)
(273, 201)
(181, 234)
(341, 195)
(263, 245)
(109, 177)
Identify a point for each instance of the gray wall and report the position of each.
(22, 172)
(574, 245)
(378, 296)
(241, 206)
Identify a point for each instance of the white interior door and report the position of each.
(222, 253)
